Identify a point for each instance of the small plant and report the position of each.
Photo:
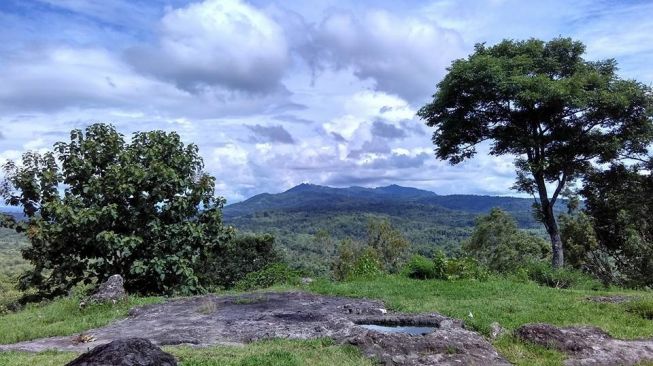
(275, 274)
(441, 267)
(420, 267)
(543, 274)
(643, 308)
(368, 265)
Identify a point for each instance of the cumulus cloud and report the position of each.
(225, 43)
(274, 134)
(403, 55)
(387, 130)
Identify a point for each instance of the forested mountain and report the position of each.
(427, 219)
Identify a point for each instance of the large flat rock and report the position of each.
(210, 320)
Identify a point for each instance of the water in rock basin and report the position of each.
(398, 329)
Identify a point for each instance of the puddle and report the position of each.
(398, 329)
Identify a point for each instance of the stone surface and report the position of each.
(587, 345)
(112, 290)
(125, 352)
(614, 299)
(209, 320)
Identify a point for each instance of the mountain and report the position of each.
(316, 198)
(426, 219)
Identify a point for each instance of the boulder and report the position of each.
(588, 345)
(112, 290)
(125, 352)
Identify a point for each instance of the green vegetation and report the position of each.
(321, 352)
(541, 102)
(274, 274)
(62, 317)
(500, 246)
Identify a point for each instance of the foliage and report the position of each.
(443, 268)
(126, 208)
(499, 245)
(421, 268)
(238, 257)
(388, 243)
(367, 265)
(565, 277)
(273, 274)
(547, 106)
(308, 221)
(383, 252)
(619, 201)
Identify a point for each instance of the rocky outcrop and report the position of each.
(587, 345)
(125, 352)
(110, 291)
(209, 320)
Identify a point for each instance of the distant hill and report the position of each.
(316, 198)
(427, 219)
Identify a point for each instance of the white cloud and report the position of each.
(404, 55)
(225, 43)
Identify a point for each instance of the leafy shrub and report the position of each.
(643, 308)
(465, 268)
(274, 274)
(543, 274)
(244, 254)
(367, 265)
(419, 267)
(499, 245)
(441, 267)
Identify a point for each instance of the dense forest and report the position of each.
(309, 221)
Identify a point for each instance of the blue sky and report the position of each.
(277, 93)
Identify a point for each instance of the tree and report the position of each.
(499, 245)
(98, 206)
(557, 113)
(388, 242)
(620, 202)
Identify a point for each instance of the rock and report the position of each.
(290, 315)
(496, 330)
(125, 352)
(587, 345)
(306, 280)
(614, 299)
(112, 291)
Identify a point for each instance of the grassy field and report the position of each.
(321, 352)
(508, 302)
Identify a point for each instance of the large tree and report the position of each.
(98, 205)
(541, 102)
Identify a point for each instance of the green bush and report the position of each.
(274, 274)
(368, 265)
(643, 308)
(543, 274)
(238, 257)
(441, 267)
(465, 268)
(419, 267)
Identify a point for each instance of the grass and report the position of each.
(509, 302)
(320, 352)
(62, 317)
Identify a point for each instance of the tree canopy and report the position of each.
(99, 205)
(547, 106)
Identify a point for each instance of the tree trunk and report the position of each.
(548, 217)
(557, 257)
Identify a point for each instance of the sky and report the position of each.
(278, 93)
